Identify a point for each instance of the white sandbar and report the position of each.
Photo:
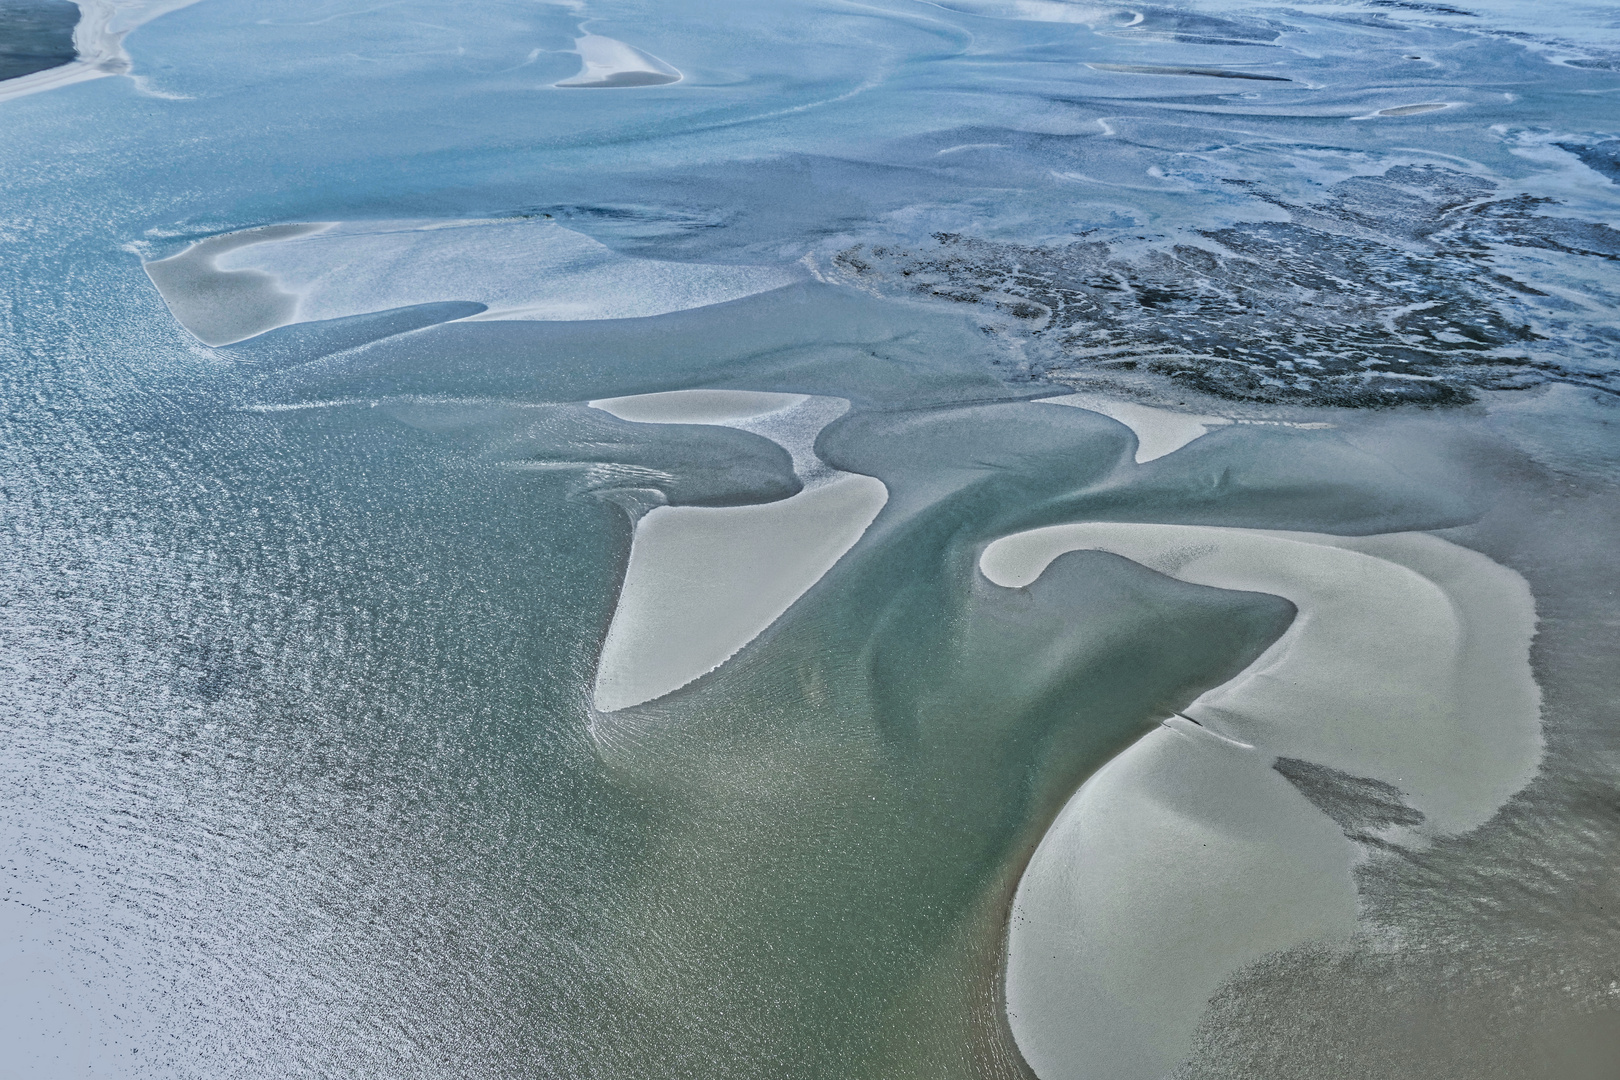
(702, 582)
(227, 288)
(1158, 431)
(1414, 110)
(221, 306)
(705, 581)
(1187, 856)
(723, 407)
(608, 63)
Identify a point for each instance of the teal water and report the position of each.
(302, 774)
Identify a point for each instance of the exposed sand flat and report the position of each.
(608, 63)
(1408, 662)
(99, 41)
(1158, 431)
(1179, 862)
(702, 582)
(705, 581)
(723, 407)
(1056, 11)
(221, 306)
(1188, 856)
(228, 288)
(792, 421)
(1408, 110)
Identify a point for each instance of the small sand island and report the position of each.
(705, 581)
(611, 64)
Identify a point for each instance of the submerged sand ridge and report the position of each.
(1407, 665)
(702, 582)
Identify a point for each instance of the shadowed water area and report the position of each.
(300, 627)
(36, 35)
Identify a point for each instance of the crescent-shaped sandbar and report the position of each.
(1189, 855)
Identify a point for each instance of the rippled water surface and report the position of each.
(318, 512)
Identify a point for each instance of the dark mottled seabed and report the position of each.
(982, 539)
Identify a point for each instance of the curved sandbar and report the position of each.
(702, 582)
(607, 63)
(227, 288)
(1158, 431)
(1189, 856)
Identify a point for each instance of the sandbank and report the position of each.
(1163, 69)
(1189, 856)
(1158, 431)
(702, 582)
(221, 306)
(1413, 110)
(227, 288)
(723, 407)
(608, 63)
(1408, 110)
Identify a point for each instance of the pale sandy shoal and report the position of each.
(1158, 431)
(226, 288)
(702, 582)
(1188, 856)
(608, 63)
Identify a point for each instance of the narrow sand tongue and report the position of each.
(1158, 431)
(702, 582)
(1189, 856)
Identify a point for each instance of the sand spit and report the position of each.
(1408, 110)
(99, 41)
(608, 63)
(1207, 73)
(1158, 431)
(1190, 855)
(702, 582)
(1414, 110)
(1056, 11)
(228, 288)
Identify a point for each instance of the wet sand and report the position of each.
(702, 582)
(228, 288)
(1158, 431)
(1190, 856)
